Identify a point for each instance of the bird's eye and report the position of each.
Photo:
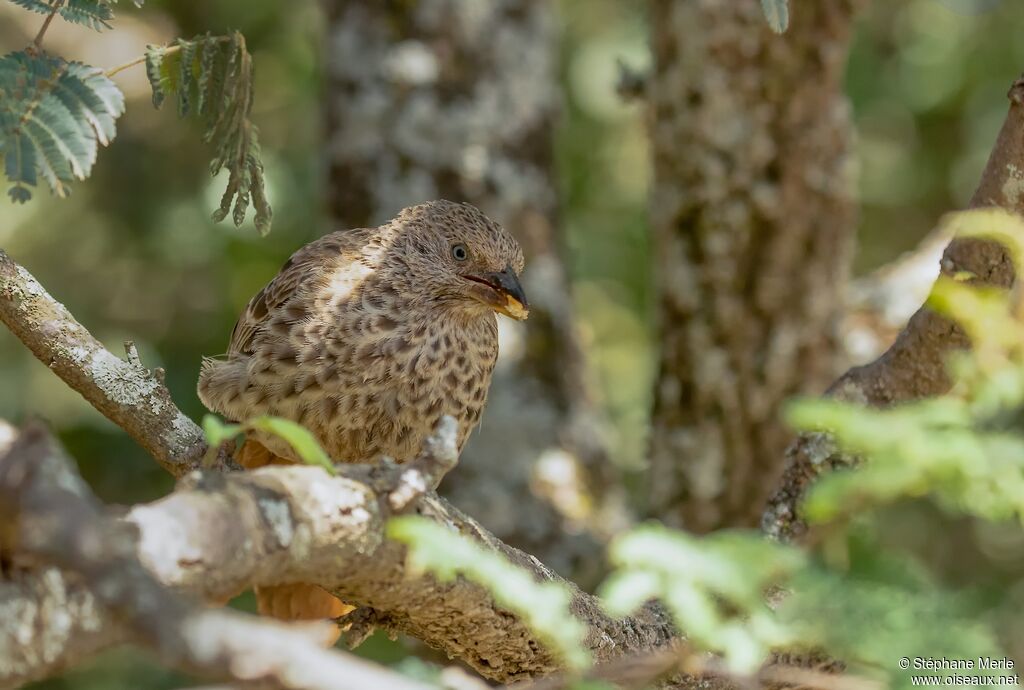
(459, 252)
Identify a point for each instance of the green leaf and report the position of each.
(154, 63)
(298, 437)
(543, 606)
(212, 78)
(209, 52)
(186, 81)
(713, 586)
(20, 165)
(53, 117)
(217, 432)
(94, 14)
(626, 590)
(776, 12)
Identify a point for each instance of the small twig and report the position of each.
(132, 353)
(127, 394)
(137, 61)
(38, 42)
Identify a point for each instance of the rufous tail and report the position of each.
(296, 602)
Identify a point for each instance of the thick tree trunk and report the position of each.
(456, 99)
(753, 223)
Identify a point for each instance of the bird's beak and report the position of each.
(502, 292)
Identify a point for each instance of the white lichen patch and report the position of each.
(182, 433)
(332, 500)
(36, 629)
(29, 285)
(78, 354)
(277, 515)
(819, 447)
(165, 545)
(119, 381)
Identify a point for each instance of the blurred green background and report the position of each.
(134, 255)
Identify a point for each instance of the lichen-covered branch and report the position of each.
(131, 396)
(914, 366)
(49, 623)
(218, 534)
(50, 518)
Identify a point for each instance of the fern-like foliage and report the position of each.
(543, 606)
(96, 14)
(211, 76)
(713, 586)
(53, 116)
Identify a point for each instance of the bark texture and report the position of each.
(218, 534)
(50, 517)
(456, 99)
(753, 223)
(127, 393)
(914, 366)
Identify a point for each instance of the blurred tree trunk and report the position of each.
(456, 99)
(753, 223)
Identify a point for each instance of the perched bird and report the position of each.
(367, 338)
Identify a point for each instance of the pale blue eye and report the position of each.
(459, 252)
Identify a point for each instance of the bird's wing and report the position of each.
(299, 272)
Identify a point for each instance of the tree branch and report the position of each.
(218, 534)
(127, 394)
(51, 517)
(914, 366)
(49, 623)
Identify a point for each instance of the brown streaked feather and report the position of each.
(366, 338)
(294, 275)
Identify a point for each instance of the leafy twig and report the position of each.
(38, 41)
(139, 60)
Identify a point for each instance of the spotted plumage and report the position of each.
(367, 337)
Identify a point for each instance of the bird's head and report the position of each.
(460, 255)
